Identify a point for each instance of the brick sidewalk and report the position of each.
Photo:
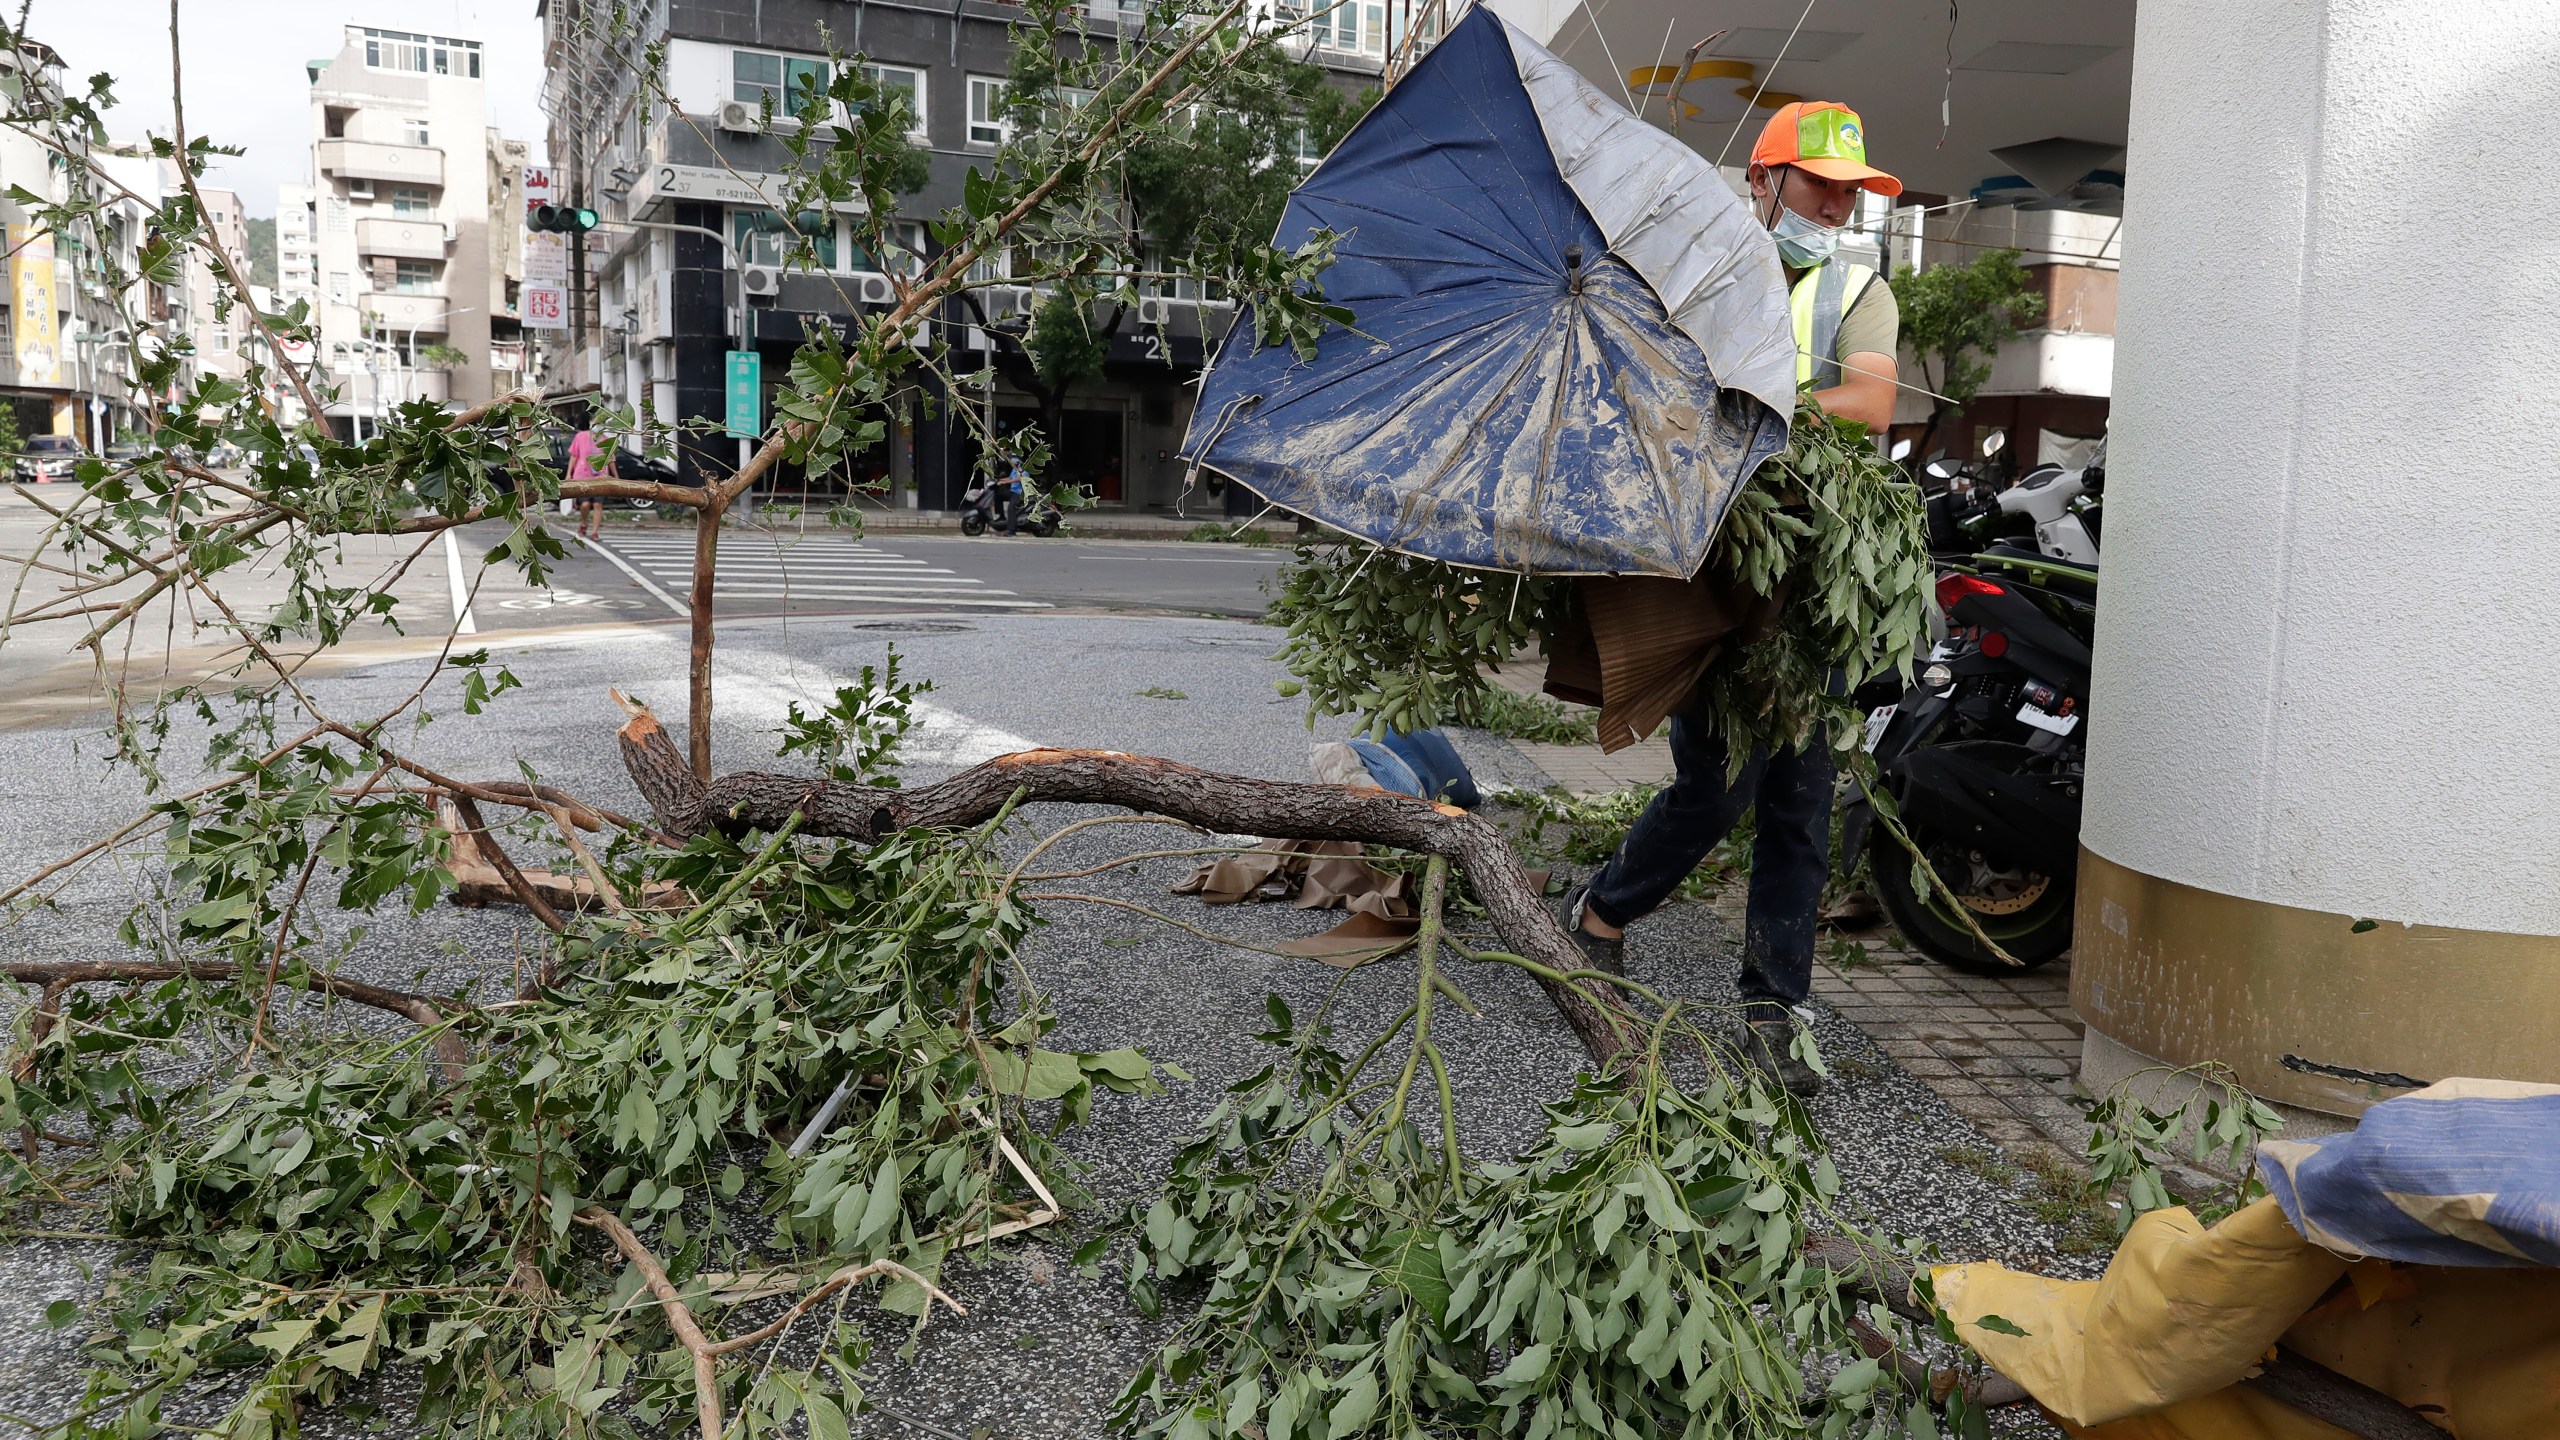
(2004, 1051)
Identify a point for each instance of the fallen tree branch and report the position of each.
(488, 847)
(706, 1382)
(1203, 798)
(57, 976)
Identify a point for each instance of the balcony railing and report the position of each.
(407, 239)
(370, 160)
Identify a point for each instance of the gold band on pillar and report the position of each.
(2186, 975)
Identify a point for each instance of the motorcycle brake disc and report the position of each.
(2025, 894)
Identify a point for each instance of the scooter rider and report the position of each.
(1806, 172)
(1009, 496)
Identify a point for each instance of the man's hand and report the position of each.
(1865, 392)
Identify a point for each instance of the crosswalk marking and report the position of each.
(816, 567)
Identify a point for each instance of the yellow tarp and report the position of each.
(2154, 1350)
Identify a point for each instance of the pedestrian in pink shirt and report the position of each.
(583, 451)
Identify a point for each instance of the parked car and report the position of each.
(48, 458)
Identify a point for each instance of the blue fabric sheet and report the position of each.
(2464, 1172)
(1480, 411)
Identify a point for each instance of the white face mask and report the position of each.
(1802, 243)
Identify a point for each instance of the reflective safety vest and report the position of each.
(1819, 299)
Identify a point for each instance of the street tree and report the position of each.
(774, 1051)
(1956, 317)
(1201, 193)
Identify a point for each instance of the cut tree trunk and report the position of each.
(745, 800)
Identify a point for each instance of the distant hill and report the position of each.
(262, 250)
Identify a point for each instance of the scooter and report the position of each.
(1040, 515)
(1983, 756)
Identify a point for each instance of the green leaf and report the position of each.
(2362, 926)
(1526, 1368)
(826, 1418)
(61, 1313)
(1125, 1063)
(1410, 1261)
(1857, 1379)
(1998, 1325)
(1585, 1137)
(1359, 1402)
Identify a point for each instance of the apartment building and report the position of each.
(297, 244)
(682, 271)
(65, 332)
(412, 247)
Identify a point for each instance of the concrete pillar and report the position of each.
(2328, 660)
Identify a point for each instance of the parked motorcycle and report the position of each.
(979, 510)
(1984, 756)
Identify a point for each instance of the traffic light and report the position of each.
(560, 219)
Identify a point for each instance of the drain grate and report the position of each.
(915, 627)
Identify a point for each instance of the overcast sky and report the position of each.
(245, 81)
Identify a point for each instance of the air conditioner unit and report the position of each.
(359, 189)
(876, 290)
(760, 280)
(1155, 312)
(740, 118)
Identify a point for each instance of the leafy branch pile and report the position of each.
(1635, 1273)
(379, 1199)
(1827, 523)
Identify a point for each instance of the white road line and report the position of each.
(1188, 559)
(462, 621)
(801, 582)
(881, 567)
(643, 581)
(824, 590)
(668, 547)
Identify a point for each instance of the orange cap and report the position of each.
(1825, 137)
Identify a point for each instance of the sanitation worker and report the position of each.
(1806, 172)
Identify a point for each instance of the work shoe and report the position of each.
(1770, 1047)
(1607, 956)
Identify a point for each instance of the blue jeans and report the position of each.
(1790, 855)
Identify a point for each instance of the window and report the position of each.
(421, 54)
(907, 85)
(903, 253)
(219, 342)
(764, 238)
(337, 214)
(410, 201)
(413, 277)
(987, 125)
(786, 80)
(339, 285)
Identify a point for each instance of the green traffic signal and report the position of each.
(560, 219)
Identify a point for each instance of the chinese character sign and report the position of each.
(39, 338)
(546, 307)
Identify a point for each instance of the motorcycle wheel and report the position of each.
(973, 523)
(2027, 914)
(1046, 528)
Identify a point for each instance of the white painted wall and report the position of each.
(698, 76)
(2329, 650)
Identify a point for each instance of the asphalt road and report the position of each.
(766, 571)
(1043, 1348)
